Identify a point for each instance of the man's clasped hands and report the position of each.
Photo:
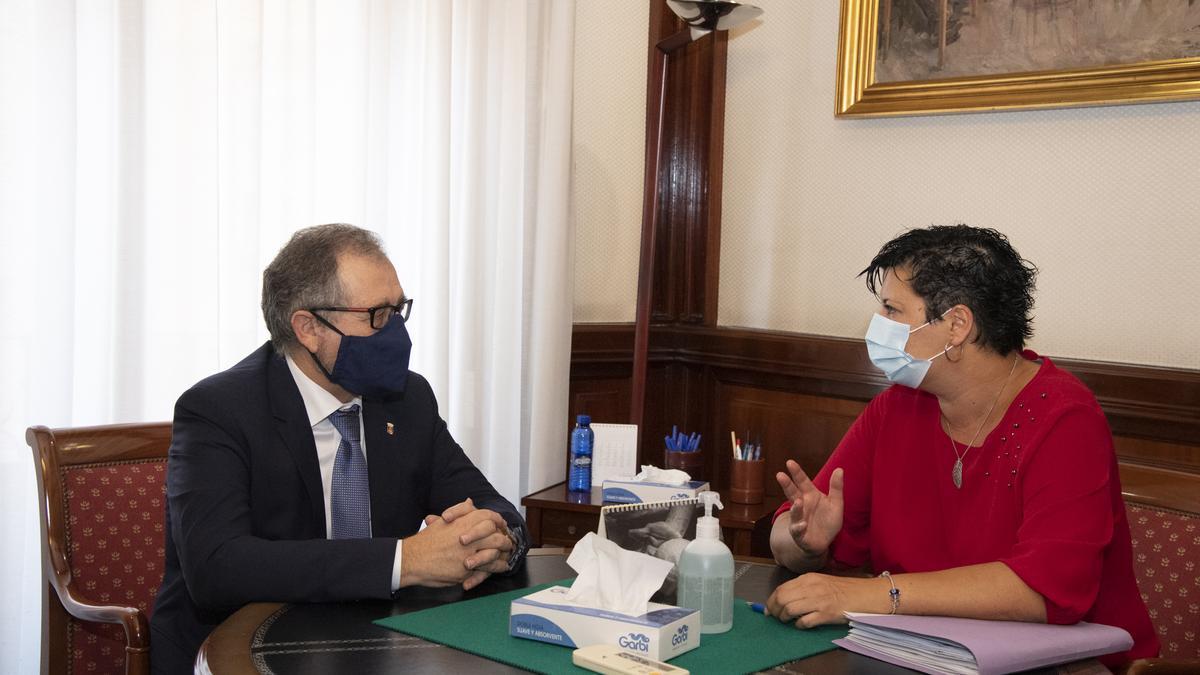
(464, 545)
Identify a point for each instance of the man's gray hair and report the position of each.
(304, 274)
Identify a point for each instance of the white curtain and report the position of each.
(155, 155)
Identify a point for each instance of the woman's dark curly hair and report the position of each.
(972, 266)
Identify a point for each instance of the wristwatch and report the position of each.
(517, 537)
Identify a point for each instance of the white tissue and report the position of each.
(613, 578)
(653, 474)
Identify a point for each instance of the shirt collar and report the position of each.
(318, 403)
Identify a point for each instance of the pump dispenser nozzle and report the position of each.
(707, 526)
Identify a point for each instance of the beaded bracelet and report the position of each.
(894, 593)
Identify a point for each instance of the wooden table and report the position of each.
(557, 517)
(320, 638)
(339, 637)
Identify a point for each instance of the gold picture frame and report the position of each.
(859, 95)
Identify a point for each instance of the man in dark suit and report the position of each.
(304, 472)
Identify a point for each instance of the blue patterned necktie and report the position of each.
(350, 495)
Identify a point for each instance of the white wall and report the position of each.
(609, 140)
(1104, 200)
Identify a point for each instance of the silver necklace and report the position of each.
(956, 473)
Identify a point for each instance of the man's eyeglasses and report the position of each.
(379, 316)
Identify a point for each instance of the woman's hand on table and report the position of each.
(815, 599)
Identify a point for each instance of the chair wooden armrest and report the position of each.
(132, 619)
(137, 627)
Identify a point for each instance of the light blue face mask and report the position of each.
(886, 340)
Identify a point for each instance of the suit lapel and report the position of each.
(291, 422)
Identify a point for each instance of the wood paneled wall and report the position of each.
(796, 393)
(800, 393)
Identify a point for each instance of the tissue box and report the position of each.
(634, 492)
(662, 633)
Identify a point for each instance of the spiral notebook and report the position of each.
(626, 524)
(661, 529)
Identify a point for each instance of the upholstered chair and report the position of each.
(1164, 521)
(102, 506)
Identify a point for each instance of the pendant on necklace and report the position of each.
(956, 474)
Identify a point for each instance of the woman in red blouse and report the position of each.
(984, 482)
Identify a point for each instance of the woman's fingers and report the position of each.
(803, 601)
(811, 620)
(798, 476)
(774, 603)
(788, 602)
(790, 490)
(836, 483)
(795, 482)
(799, 524)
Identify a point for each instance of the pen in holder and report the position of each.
(746, 472)
(683, 452)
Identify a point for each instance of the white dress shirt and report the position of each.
(320, 404)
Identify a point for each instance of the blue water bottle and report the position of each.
(581, 455)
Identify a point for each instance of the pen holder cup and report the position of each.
(691, 462)
(746, 481)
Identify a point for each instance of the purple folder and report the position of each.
(937, 644)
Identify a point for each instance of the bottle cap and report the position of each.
(584, 419)
(707, 526)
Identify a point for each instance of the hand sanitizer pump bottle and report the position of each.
(706, 572)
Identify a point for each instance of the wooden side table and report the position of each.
(557, 517)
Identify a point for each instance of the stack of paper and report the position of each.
(935, 644)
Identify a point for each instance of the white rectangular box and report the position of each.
(636, 492)
(662, 633)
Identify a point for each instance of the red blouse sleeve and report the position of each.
(1067, 519)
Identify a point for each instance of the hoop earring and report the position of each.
(946, 351)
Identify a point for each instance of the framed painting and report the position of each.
(916, 57)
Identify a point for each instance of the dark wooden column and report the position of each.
(680, 251)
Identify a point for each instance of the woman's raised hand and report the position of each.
(815, 517)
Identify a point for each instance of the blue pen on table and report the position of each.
(757, 607)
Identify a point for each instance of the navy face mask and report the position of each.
(373, 365)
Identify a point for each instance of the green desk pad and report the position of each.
(480, 626)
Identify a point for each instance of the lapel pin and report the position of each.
(391, 429)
